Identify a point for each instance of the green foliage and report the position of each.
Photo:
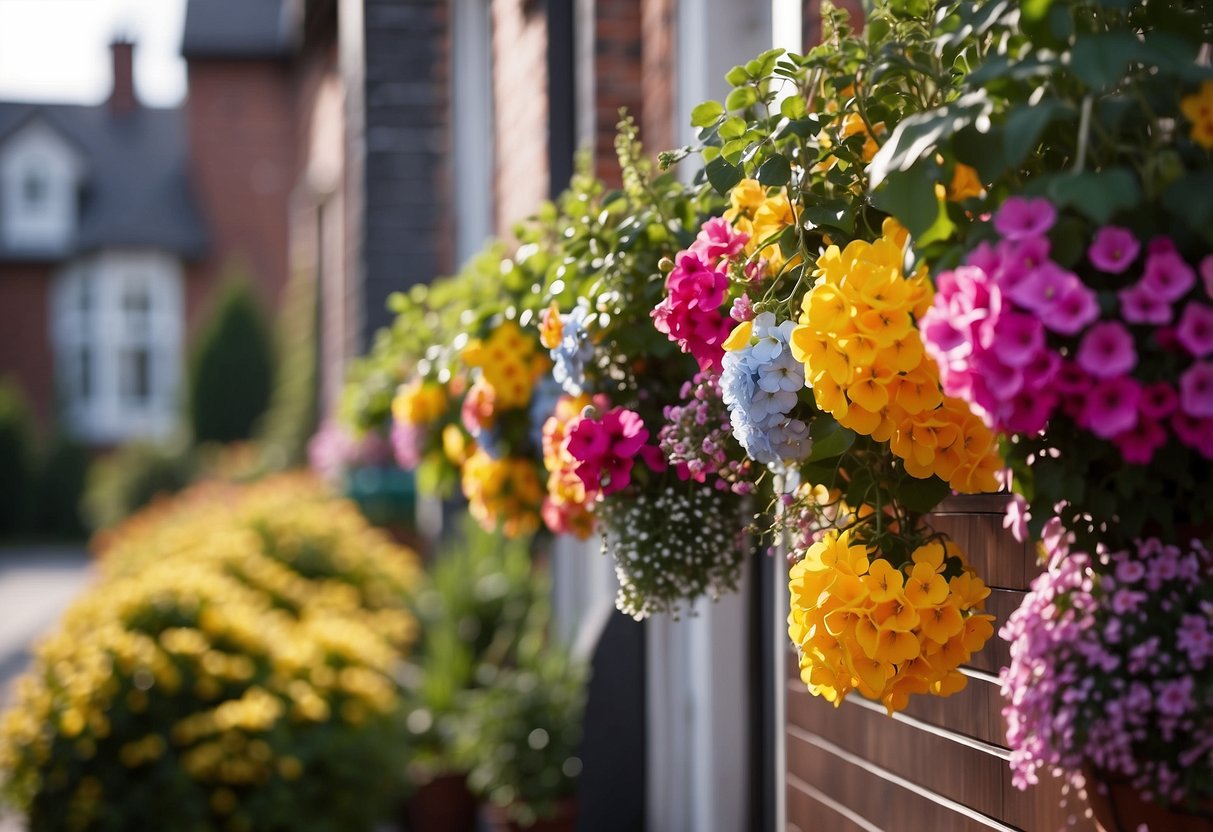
(121, 483)
(290, 420)
(521, 735)
(481, 603)
(16, 463)
(59, 491)
(232, 368)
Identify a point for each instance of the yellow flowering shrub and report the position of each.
(861, 623)
(232, 670)
(865, 363)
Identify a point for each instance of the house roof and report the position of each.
(239, 28)
(136, 191)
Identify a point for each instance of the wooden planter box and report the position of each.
(942, 763)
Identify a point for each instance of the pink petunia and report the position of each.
(1107, 350)
(1196, 390)
(1114, 249)
(1021, 217)
(1141, 305)
(1139, 444)
(1111, 406)
(1074, 309)
(1159, 400)
(606, 448)
(718, 240)
(1017, 339)
(1195, 329)
(1168, 275)
(1041, 287)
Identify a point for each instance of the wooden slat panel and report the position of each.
(999, 560)
(822, 813)
(962, 773)
(997, 653)
(884, 799)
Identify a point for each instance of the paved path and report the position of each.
(36, 585)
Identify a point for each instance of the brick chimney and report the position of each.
(122, 98)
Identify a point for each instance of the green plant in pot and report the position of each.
(520, 736)
(474, 611)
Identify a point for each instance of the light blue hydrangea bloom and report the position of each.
(759, 386)
(573, 352)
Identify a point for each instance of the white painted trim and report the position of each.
(39, 150)
(472, 125)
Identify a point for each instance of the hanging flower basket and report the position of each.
(1119, 806)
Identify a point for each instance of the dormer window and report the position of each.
(40, 175)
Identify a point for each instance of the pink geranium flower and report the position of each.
(718, 240)
(1107, 350)
(1114, 249)
(606, 448)
(1167, 274)
(1195, 330)
(1111, 406)
(1196, 390)
(1021, 217)
(1141, 305)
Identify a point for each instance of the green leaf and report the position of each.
(705, 114)
(740, 98)
(737, 76)
(732, 150)
(722, 175)
(1097, 194)
(775, 170)
(792, 107)
(910, 197)
(1100, 59)
(1023, 127)
(1036, 9)
(834, 214)
(917, 135)
(920, 496)
(830, 439)
(1190, 199)
(732, 127)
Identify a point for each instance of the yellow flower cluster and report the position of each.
(509, 363)
(419, 402)
(1198, 109)
(503, 492)
(860, 623)
(865, 363)
(762, 216)
(227, 622)
(567, 507)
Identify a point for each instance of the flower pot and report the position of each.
(564, 819)
(1119, 807)
(443, 805)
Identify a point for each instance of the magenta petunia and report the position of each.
(1195, 331)
(1021, 217)
(1168, 275)
(1107, 350)
(1111, 406)
(1139, 444)
(1072, 310)
(1158, 400)
(1141, 305)
(718, 240)
(1196, 390)
(606, 448)
(1041, 287)
(1114, 249)
(1017, 339)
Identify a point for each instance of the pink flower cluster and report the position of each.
(606, 448)
(696, 438)
(690, 314)
(1110, 666)
(1022, 338)
(334, 450)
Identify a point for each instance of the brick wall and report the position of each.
(618, 77)
(658, 119)
(520, 117)
(405, 234)
(242, 148)
(25, 338)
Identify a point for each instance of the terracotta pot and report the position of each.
(564, 820)
(442, 805)
(1119, 807)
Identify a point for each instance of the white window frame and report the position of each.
(106, 329)
(37, 150)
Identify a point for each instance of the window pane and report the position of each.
(34, 190)
(136, 308)
(135, 380)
